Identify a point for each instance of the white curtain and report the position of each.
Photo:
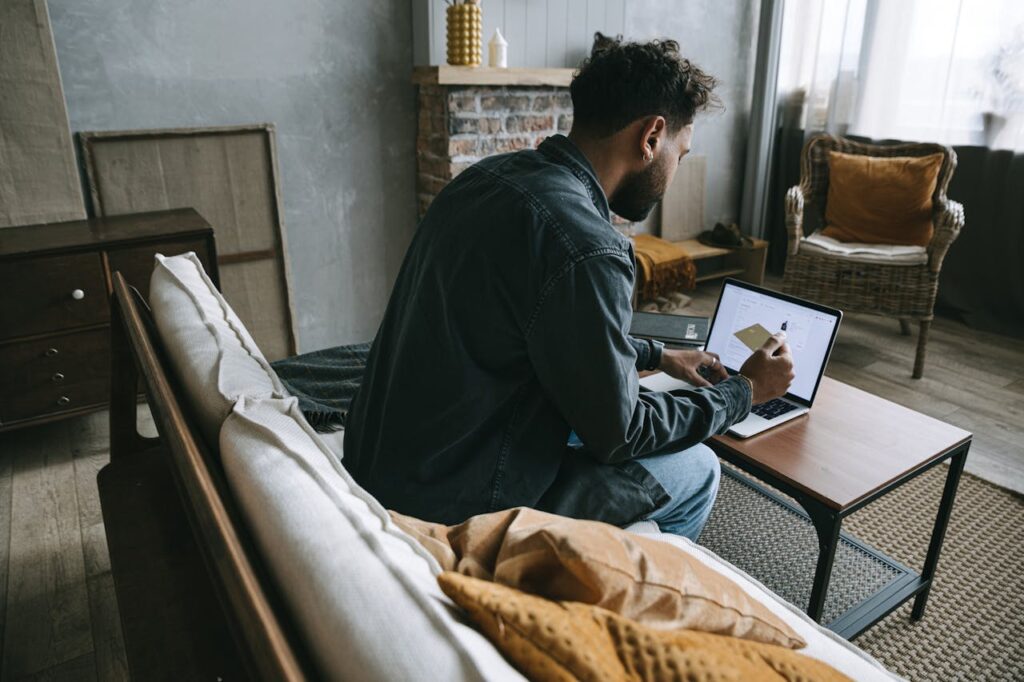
(948, 71)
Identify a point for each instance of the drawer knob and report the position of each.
(58, 377)
(51, 352)
(78, 294)
(63, 400)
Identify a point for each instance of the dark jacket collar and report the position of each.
(562, 149)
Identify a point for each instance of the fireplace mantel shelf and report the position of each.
(485, 75)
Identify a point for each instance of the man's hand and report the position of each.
(770, 369)
(687, 364)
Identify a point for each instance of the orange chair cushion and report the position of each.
(881, 200)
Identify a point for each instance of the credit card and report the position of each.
(754, 336)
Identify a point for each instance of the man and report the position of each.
(503, 374)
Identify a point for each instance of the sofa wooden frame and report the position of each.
(196, 602)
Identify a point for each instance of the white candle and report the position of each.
(498, 50)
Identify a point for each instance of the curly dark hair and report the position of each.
(623, 81)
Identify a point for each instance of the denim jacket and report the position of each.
(508, 327)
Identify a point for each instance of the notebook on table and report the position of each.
(684, 331)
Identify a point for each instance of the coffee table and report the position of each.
(852, 448)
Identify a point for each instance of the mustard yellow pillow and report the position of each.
(549, 641)
(879, 200)
(565, 559)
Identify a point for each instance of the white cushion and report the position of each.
(335, 442)
(885, 254)
(822, 643)
(212, 353)
(363, 592)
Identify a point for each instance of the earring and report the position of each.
(648, 158)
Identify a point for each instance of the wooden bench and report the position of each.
(714, 262)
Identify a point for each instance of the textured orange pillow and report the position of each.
(879, 200)
(550, 641)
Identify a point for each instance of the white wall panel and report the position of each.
(514, 29)
(536, 34)
(595, 19)
(556, 31)
(577, 39)
(436, 31)
(540, 33)
(615, 15)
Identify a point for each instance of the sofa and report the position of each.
(241, 547)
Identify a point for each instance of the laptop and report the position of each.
(744, 319)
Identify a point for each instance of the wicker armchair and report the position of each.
(905, 292)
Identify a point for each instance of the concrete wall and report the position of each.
(720, 36)
(332, 76)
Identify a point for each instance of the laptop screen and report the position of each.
(747, 315)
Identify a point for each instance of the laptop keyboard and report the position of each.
(773, 408)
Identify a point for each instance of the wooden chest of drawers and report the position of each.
(54, 314)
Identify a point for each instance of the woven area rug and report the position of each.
(973, 628)
(787, 567)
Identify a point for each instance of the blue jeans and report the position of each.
(690, 477)
(675, 490)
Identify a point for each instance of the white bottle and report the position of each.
(498, 50)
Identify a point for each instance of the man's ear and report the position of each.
(652, 135)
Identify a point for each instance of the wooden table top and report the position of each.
(850, 445)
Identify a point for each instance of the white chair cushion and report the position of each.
(363, 592)
(885, 254)
(212, 352)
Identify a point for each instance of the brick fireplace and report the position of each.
(468, 114)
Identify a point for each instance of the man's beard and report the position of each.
(639, 193)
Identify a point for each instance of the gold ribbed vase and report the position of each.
(465, 34)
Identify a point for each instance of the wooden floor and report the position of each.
(58, 612)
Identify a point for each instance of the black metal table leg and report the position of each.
(931, 562)
(827, 524)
